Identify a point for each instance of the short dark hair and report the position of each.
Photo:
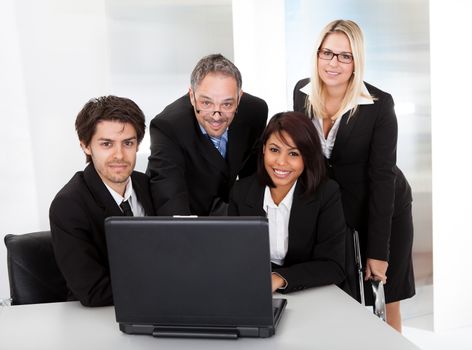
(303, 133)
(215, 63)
(111, 108)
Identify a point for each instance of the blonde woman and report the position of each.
(358, 129)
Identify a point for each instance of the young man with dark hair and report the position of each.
(110, 130)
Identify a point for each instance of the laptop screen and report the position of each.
(206, 271)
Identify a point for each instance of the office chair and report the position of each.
(32, 269)
(354, 283)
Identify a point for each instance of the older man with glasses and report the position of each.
(203, 141)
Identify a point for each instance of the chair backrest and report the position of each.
(32, 269)
(354, 283)
(353, 269)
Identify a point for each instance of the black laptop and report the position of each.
(192, 276)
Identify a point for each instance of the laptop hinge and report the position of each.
(191, 332)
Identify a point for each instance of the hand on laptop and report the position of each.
(278, 282)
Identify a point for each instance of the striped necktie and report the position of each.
(217, 143)
(126, 208)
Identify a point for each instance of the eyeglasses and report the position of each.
(207, 108)
(342, 57)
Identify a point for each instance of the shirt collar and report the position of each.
(129, 192)
(286, 202)
(363, 99)
(224, 136)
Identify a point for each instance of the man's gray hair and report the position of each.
(215, 63)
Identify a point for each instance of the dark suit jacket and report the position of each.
(188, 175)
(317, 232)
(77, 216)
(363, 162)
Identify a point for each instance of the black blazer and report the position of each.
(77, 216)
(188, 175)
(363, 162)
(317, 232)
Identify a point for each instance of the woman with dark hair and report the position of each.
(306, 223)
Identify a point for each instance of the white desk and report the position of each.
(320, 318)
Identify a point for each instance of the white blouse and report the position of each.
(327, 143)
(278, 216)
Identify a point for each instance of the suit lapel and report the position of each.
(237, 136)
(302, 221)
(100, 192)
(255, 198)
(205, 147)
(345, 128)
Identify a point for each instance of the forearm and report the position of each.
(166, 169)
(382, 178)
(327, 256)
(310, 274)
(82, 263)
(84, 271)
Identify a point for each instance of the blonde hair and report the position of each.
(315, 103)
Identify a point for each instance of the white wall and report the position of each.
(17, 184)
(154, 45)
(65, 62)
(259, 49)
(54, 61)
(451, 77)
(57, 54)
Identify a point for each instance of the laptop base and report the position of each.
(162, 331)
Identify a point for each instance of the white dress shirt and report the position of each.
(129, 196)
(278, 216)
(327, 143)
